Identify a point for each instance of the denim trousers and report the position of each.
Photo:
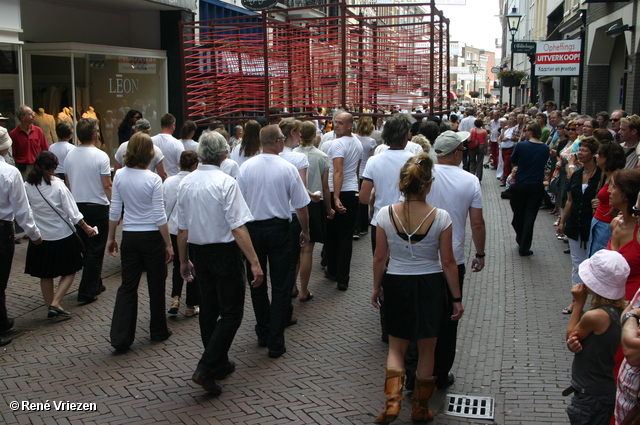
(220, 271)
(271, 240)
(139, 252)
(91, 281)
(339, 240)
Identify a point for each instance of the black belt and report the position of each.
(6, 222)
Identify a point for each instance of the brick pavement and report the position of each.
(510, 347)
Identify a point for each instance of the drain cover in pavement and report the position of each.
(467, 406)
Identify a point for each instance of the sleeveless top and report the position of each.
(592, 368)
(631, 252)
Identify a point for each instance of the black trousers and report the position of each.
(339, 241)
(271, 240)
(525, 203)
(220, 271)
(7, 249)
(139, 252)
(91, 281)
(176, 278)
(445, 353)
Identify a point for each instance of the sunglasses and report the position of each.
(635, 211)
(571, 129)
(614, 119)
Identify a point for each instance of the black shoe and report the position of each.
(120, 348)
(262, 342)
(274, 354)
(567, 251)
(225, 371)
(526, 253)
(292, 321)
(102, 289)
(59, 311)
(208, 383)
(356, 236)
(327, 275)
(83, 299)
(5, 340)
(446, 382)
(343, 286)
(503, 184)
(7, 327)
(160, 339)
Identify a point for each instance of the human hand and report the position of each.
(477, 264)
(90, 231)
(112, 247)
(330, 214)
(458, 309)
(187, 271)
(304, 238)
(315, 197)
(376, 297)
(594, 203)
(579, 293)
(258, 275)
(340, 209)
(560, 229)
(168, 250)
(573, 343)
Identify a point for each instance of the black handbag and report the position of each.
(78, 240)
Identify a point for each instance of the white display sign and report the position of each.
(558, 58)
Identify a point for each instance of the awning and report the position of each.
(453, 96)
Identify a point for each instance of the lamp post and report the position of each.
(513, 20)
(486, 100)
(474, 69)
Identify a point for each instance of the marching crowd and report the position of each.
(227, 210)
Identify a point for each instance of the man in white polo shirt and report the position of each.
(344, 160)
(88, 174)
(270, 185)
(208, 195)
(171, 147)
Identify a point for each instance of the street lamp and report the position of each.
(488, 89)
(513, 20)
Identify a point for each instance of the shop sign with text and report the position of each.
(558, 58)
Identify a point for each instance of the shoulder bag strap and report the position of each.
(56, 211)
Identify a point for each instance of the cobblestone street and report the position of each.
(510, 347)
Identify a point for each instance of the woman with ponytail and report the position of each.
(416, 239)
(55, 212)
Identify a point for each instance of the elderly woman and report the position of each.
(236, 139)
(55, 212)
(575, 222)
(146, 245)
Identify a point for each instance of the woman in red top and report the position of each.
(477, 148)
(610, 158)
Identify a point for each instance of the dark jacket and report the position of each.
(579, 222)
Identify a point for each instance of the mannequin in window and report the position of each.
(90, 113)
(47, 124)
(66, 114)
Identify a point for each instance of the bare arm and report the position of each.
(164, 231)
(379, 265)
(303, 218)
(112, 244)
(478, 233)
(161, 171)
(631, 339)
(106, 185)
(241, 235)
(338, 177)
(565, 215)
(450, 269)
(326, 194)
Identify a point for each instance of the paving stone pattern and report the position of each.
(511, 347)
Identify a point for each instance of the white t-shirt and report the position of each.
(325, 138)
(157, 156)
(51, 226)
(384, 171)
(208, 196)
(189, 145)
(230, 167)
(298, 159)
(467, 123)
(412, 147)
(268, 183)
(326, 147)
(60, 150)
(172, 149)
(240, 158)
(170, 199)
(84, 167)
(426, 255)
(349, 148)
(455, 191)
(141, 193)
(368, 145)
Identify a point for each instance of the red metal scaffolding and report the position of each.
(366, 57)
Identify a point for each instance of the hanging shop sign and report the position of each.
(527, 47)
(256, 5)
(558, 58)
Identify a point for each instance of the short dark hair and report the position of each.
(396, 129)
(535, 129)
(64, 130)
(478, 123)
(167, 120)
(614, 155)
(86, 128)
(45, 161)
(188, 159)
(430, 130)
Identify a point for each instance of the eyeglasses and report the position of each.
(614, 119)
(571, 129)
(579, 125)
(635, 211)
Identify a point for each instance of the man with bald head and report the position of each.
(269, 185)
(345, 155)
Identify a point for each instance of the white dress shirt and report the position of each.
(52, 227)
(13, 200)
(210, 206)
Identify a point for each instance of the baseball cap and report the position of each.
(605, 273)
(448, 141)
(142, 124)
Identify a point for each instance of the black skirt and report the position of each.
(317, 221)
(413, 305)
(51, 259)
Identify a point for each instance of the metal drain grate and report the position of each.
(467, 406)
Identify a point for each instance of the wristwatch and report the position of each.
(627, 316)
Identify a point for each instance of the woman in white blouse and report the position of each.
(55, 212)
(146, 245)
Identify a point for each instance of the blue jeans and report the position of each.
(271, 240)
(599, 236)
(220, 272)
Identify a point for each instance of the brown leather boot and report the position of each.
(425, 388)
(394, 379)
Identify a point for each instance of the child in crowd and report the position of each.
(594, 337)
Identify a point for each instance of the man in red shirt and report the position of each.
(28, 140)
